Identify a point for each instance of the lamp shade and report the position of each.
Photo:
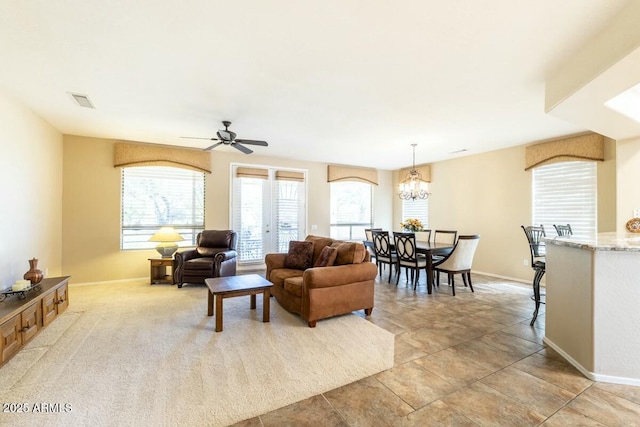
(167, 238)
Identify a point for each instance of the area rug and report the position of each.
(140, 355)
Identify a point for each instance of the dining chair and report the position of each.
(408, 257)
(425, 235)
(459, 261)
(369, 238)
(384, 252)
(443, 236)
(538, 261)
(563, 230)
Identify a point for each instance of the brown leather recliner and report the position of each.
(214, 256)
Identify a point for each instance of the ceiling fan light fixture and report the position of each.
(227, 137)
(413, 186)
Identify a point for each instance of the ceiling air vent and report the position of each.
(82, 100)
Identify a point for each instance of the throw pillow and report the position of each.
(300, 255)
(327, 257)
(349, 252)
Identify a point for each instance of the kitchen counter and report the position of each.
(629, 242)
(593, 304)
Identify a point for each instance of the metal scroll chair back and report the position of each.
(536, 245)
(563, 230)
(408, 256)
(384, 251)
(538, 261)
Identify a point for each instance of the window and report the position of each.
(268, 210)
(418, 208)
(565, 193)
(351, 209)
(156, 196)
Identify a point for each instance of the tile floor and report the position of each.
(468, 360)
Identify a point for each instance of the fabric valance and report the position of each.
(351, 173)
(289, 176)
(424, 170)
(244, 172)
(583, 147)
(133, 154)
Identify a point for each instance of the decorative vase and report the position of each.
(33, 275)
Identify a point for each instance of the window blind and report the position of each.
(289, 212)
(160, 196)
(351, 209)
(268, 210)
(250, 217)
(418, 209)
(566, 193)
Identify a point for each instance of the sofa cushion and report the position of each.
(278, 276)
(293, 285)
(319, 243)
(300, 255)
(327, 257)
(349, 252)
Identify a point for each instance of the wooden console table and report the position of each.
(21, 319)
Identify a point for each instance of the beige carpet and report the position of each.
(140, 355)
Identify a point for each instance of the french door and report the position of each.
(268, 209)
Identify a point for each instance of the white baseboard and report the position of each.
(591, 375)
(513, 279)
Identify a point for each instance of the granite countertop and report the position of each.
(629, 242)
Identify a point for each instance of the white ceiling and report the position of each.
(351, 81)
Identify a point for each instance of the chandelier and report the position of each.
(413, 187)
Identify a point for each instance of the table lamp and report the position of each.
(167, 238)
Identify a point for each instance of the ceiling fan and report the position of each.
(229, 138)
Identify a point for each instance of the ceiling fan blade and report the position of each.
(242, 148)
(212, 146)
(197, 137)
(253, 142)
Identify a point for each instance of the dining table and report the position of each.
(428, 249)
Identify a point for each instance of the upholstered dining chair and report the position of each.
(408, 257)
(424, 236)
(537, 249)
(563, 230)
(369, 238)
(384, 252)
(443, 236)
(459, 261)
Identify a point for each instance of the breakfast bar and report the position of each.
(592, 304)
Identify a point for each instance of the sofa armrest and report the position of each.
(339, 275)
(273, 262)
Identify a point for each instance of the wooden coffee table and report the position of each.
(237, 286)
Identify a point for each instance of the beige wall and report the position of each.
(490, 194)
(628, 178)
(31, 193)
(91, 206)
(607, 181)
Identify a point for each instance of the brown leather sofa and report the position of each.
(322, 292)
(214, 256)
